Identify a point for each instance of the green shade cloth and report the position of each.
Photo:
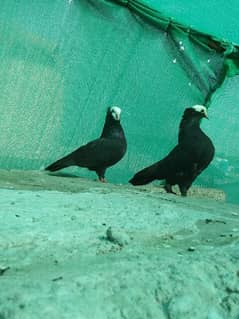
(64, 62)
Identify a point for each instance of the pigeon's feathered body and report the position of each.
(187, 160)
(101, 153)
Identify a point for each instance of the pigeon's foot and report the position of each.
(102, 180)
(169, 189)
(183, 190)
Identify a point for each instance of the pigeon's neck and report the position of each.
(112, 129)
(188, 124)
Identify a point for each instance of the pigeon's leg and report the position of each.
(184, 189)
(168, 188)
(101, 175)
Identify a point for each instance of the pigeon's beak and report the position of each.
(116, 116)
(206, 116)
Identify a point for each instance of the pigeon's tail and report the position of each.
(147, 175)
(60, 164)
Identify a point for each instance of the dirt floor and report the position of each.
(75, 248)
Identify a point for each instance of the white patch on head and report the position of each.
(115, 111)
(200, 109)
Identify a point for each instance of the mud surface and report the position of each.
(75, 248)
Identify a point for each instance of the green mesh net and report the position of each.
(64, 62)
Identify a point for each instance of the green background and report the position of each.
(64, 62)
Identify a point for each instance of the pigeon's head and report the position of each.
(114, 112)
(201, 110)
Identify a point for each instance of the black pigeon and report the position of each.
(101, 153)
(187, 160)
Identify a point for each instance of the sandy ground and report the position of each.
(74, 248)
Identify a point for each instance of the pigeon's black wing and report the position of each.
(103, 152)
(97, 154)
(199, 148)
(188, 159)
(181, 166)
(170, 168)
